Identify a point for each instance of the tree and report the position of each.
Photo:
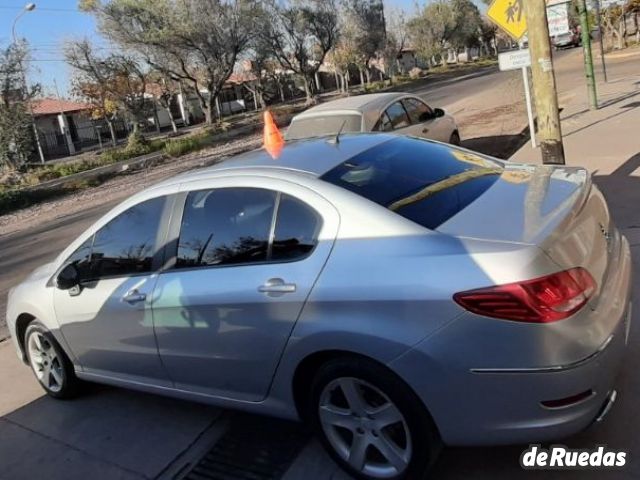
(614, 22)
(128, 87)
(396, 39)
(163, 88)
(467, 25)
(302, 34)
(345, 54)
(195, 41)
(16, 123)
(488, 41)
(110, 83)
(257, 64)
(431, 30)
(366, 20)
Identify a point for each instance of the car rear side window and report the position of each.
(296, 230)
(323, 125)
(225, 226)
(423, 181)
(383, 124)
(398, 116)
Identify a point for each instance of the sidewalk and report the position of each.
(598, 140)
(607, 143)
(106, 434)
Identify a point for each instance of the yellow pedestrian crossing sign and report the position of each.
(509, 16)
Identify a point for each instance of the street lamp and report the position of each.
(29, 7)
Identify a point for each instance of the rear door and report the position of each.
(245, 257)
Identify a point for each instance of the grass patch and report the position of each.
(15, 199)
(374, 86)
(181, 146)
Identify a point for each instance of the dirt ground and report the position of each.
(120, 186)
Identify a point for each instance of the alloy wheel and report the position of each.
(365, 427)
(45, 362)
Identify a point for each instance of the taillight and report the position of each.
(541, 300)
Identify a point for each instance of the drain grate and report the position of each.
(253, 448)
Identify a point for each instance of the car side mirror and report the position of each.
(438, 112)
(426, 116)
(68, 278)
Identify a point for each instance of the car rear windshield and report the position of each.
(425, 182)
(325, 125)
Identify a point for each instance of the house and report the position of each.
(407, 60)
(64, 126)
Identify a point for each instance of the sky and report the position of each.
(53, 21)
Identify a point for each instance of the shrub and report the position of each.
(180, 146)
(137, 144)
(416, 73)
(374, 86)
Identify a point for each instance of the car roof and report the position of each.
(361, 103)
(314, 157)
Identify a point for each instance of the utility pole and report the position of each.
(544, 83)
(601, 38)
(588, 57)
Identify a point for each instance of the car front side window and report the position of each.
(126, 245)
(418, 111)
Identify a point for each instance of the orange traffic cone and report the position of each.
(273, 141)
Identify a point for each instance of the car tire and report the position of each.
(379, 428)
(454, 139)
(49, 363)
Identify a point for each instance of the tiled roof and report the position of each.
(49, 106)
(241, 77)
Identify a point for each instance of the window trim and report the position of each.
(171, 245)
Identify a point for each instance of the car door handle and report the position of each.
(134, 296)
(277, 286)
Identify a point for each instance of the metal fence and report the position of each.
(54, 145)
(96, 135)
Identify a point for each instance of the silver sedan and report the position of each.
(395, 112)
(396, 293)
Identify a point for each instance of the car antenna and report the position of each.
(336, 140)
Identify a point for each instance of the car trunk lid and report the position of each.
(556, 209)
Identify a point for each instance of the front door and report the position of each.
(246, 260)
(424, 122)
(107, 320)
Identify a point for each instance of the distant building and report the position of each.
(407, 60)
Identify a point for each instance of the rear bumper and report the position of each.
(492, 406)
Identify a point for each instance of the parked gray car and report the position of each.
(396, 112)
(394, 292)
